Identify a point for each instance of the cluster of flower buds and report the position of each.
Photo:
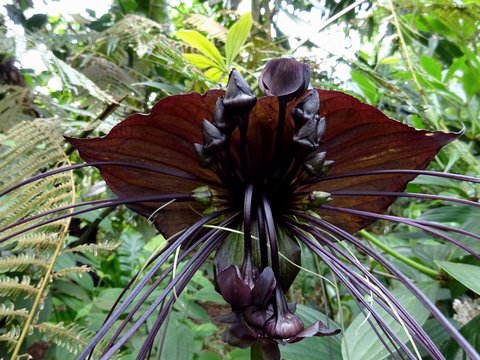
(260, 311)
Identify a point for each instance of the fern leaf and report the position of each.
(71, 270)
(208, 25)
(13, 287)
(72, 78)
(11, 336)
(13, 106)
(8, 312)
(103, 246)
(72, 336)
(21, 262)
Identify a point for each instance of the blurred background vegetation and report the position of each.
(80, 74)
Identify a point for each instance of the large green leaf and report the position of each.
(471, 333)
(236, 37)
(360, 341)
(467, 274)
(178, 343)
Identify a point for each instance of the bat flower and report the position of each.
(295, 166)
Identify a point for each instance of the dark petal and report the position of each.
(270, 351)
(238, 96)
(284, 326)
(263, 288)
(316, 329)
(240, 335)
(256, 316)
(284, 77)
(359, 137)
(229, 318)
(163, 138)
(233, 288)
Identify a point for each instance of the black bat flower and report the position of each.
(297, 165)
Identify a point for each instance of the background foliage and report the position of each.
(416, 60)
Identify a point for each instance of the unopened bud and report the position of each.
(307, 108)
(204, 159)
(203, 195)
(238, 96)
(309, 134)
(212, 137)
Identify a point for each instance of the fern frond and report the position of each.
(13, 106)
(72, 336)
(21, 262)
(208, 25)
(11, 336)
(39, 240)
(102, 246)
(13, 287)
(74, 79)
(8, 312)
(146, 38)
(72, 270)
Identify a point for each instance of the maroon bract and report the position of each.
(276, 168)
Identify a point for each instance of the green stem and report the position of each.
(422, 268)
(256, 351)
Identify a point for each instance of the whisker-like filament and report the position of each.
(402, 194)
(423, 225)
(343, 273)
(395, 171)
(378, 286)
(185, 236)
(103, 204)
(179, 283)
(154, 169)
(462, 342)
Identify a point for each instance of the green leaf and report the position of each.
(471, 334)
(313, 348)
(360, 341)
(200, 61)
(202, 44)
(236, 37)
(431, 67)
(366, 85)
(467, 274)
(178, 341)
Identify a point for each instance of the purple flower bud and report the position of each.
(310, 134)
(238, 96)
(284, 77)
(204, 159)
(283, 326)
(212, 137)
(307, 108)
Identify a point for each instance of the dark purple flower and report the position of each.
(311, 166)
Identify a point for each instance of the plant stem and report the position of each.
(422, 268)
(256, 351)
